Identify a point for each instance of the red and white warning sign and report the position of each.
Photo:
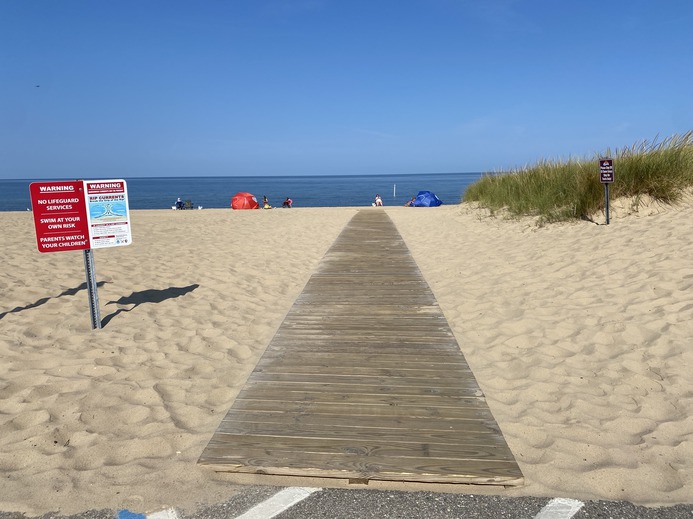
(60, 216)
(80, 215)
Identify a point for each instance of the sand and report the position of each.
(579, 335)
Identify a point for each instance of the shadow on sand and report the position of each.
(147, 296)
(44, 300)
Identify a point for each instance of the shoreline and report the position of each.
(577, 334)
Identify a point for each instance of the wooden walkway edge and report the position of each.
(364, 380)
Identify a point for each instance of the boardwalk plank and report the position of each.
(333, 390)
(463, 436)
(364, 379)
(375, 425)
(362, 398)
(279, 445)
(345, 378)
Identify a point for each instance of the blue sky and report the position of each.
(95, 88)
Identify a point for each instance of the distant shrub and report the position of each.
(556, 191)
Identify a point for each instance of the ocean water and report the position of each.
(305, 191)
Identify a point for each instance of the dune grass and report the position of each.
(559, 191)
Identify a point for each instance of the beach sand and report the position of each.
(579, 335)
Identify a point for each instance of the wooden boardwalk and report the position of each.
(364, 380)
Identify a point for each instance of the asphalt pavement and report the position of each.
(381, 504)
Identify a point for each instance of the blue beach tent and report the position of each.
(426, 199)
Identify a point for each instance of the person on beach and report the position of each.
(179, 204)
(378, 201)
(410, 203)
(288, 202)
(265, 203)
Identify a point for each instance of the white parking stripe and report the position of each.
(279, 502)
(169, 513)
(560, 508)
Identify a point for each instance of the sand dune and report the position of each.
(579, 335)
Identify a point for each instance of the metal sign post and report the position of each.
(606, 175)
(92, 289)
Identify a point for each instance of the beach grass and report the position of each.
(564, 190)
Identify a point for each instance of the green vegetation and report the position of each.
(557, 191)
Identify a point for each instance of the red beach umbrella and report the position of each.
(244, 201)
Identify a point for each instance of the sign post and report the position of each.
(606, 176)
(92, 288)
(81, 215)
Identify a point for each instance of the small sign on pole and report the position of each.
(606, 171)
(81, 215)
(606, 176)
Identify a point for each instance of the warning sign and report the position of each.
(107, 211)
(60, 216)
(80, 215)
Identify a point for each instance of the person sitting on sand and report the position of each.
(288, 202)
(378, 201)
(410, 203)
(265, 203)
(179, 203)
